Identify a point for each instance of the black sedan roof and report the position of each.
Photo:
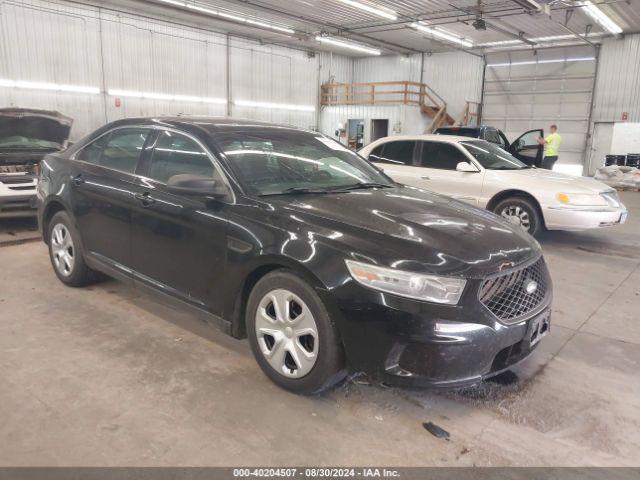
(209, 124)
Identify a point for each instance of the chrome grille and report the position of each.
(506, 295)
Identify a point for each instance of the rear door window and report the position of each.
(399, 152)
(92, 152)
(176, 154)
(119, 150)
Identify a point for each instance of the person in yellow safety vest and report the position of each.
(551, 147)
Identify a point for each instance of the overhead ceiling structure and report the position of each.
(367, 27)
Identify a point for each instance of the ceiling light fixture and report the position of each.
(349, 45)
(529, 4)
(275, 106)
(442, 34)
(48, 86)
(533, 62)
(539, 39)
(376, 10)
(165, 96)
(600, 17)
(231, 16)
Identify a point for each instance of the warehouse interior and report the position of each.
(108, 376)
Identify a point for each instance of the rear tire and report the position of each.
(66, 252)
(520, 212)
(292, 336)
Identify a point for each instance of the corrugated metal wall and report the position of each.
(144, 55)
(618, 85)
(387, 69)
(68, 43)
(35, 41)
(456, 77)
(524, 91)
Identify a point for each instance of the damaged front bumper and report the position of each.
(403, 342)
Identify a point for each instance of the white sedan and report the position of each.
(481, 173)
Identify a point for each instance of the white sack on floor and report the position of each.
(618, 176)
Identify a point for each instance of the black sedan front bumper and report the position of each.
(405, 342)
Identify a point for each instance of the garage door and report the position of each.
(524, 91)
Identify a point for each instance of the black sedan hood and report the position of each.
(412, 229)
(40, 124)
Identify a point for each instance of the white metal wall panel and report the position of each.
(265, 73)
(524, 92)
(335, 68)
(34, 46)
(68, 43)
(618, 85)
(387, 69)
(456, 77)
(149, 56)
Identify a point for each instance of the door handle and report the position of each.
(78, 180)
(145, 199)
(425, 177)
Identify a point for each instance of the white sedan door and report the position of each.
(429, 165)
(437, 171)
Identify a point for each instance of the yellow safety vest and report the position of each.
(553, 145)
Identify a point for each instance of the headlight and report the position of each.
(581, 199)
(429, 288)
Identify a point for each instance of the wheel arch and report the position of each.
(50, 209)
(504, 194)
(257, 272)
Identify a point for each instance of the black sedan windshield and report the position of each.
(273, 162)
(492, 157)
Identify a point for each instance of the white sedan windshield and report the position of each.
(492, 157)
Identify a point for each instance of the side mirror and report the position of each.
(198, 185)
(466, 167)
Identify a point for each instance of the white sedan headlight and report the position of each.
(429, 288)
(582, 199)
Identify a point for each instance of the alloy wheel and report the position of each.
(287, 333)
(517, 215)
(62, 249)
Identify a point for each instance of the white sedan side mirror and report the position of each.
(466, 167)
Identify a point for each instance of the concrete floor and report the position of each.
(16, 231)
(106, 376)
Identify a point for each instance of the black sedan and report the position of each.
(284, 236)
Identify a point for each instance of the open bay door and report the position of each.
(525, 92)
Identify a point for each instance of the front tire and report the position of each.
(66, 253)
(520, 212)
(292, 336)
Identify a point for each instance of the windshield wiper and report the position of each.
(294, 190)
(361, 185)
